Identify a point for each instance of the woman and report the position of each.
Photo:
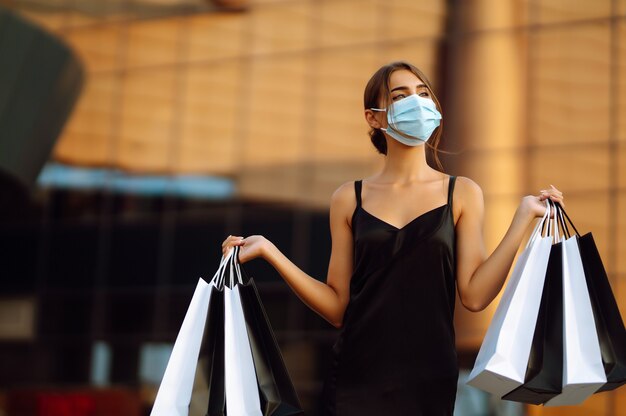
(403, 241)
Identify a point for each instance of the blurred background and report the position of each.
(135, 135)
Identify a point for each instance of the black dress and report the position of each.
(395, 354)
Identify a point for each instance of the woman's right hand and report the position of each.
(252, 246)
(535, 204)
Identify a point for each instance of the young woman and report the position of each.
(403, 241)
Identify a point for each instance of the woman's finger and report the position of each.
(232, 241)
(226, 248)
(230, 238)
(552, 189)
(226, 240)
(556, 190)
(558, 199)
(551, 195)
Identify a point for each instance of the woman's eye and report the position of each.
(426, 94)
(399, 96)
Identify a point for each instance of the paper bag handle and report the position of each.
(538, 230)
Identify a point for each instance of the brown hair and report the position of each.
(379, 85)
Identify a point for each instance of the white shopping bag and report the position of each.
(242, 392)
(583, 371)
(503, 357)
(174, 393)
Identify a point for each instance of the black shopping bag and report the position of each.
(609, 323)
(544, 373)
(278, 395)
(210, 369)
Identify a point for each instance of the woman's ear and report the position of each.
(373, 118)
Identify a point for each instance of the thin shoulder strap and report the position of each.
(357, 191)
(451, 189)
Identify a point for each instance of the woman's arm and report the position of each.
(480, 278)
(328, 299)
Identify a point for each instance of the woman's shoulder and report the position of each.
(467, 192)
(466, 184)
(344, 195)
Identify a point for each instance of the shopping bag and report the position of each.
(543, 376)
(278, 395)
(209, 381)
(608, 321)
(503, 356)
(242, 392)
(583, 372)
(174, 394)
(230, 351)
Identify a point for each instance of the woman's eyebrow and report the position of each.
(402, 87)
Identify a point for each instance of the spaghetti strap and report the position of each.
(357, 191)
(450, 190)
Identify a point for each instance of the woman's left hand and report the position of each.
(536, 205)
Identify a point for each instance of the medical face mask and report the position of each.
(414, 116)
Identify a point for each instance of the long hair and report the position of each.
(378, 86)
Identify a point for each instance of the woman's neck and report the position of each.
(404, 164)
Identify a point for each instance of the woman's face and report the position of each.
(402, 83)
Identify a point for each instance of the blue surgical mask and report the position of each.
(414, 116)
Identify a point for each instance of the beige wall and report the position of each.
(272, 97)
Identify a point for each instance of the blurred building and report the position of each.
(201, 119)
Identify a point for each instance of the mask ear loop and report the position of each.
(381, 109)
(389, 110)
(390, 124)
